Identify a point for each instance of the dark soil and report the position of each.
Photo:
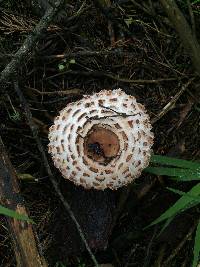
(139, 46)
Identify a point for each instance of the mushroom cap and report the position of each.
(102, 141)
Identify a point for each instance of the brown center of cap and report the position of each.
(101, 144)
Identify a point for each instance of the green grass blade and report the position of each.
(183, 179)
(164, 160)
(196, 246)
(181, 193)
(181, 204)
(168, 221)
(14, 214)
(177, 172)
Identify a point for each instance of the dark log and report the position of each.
(24, 239)
(95, 211)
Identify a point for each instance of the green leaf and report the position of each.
(164, 160)
(177, 172)
(128, 21)
(168, 221)
(72, 61)
(26, 177)
(183, 179)
(14, 214)
(183, 203)
(184, 194)
(196, 246)
(61, 67)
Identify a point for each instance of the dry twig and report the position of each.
(34, 130)
(179, 247)
(113, 77)
(30, 42)
(170, 105)
(61, 93)
(10, 23)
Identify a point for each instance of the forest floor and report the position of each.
(85, 50)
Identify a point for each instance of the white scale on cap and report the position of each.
(102, 141)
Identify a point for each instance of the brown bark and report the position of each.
(25, 244)
(184, 30)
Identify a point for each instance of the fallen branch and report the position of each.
(25, 245)
(30, 42)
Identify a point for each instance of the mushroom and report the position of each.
(102, 141)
